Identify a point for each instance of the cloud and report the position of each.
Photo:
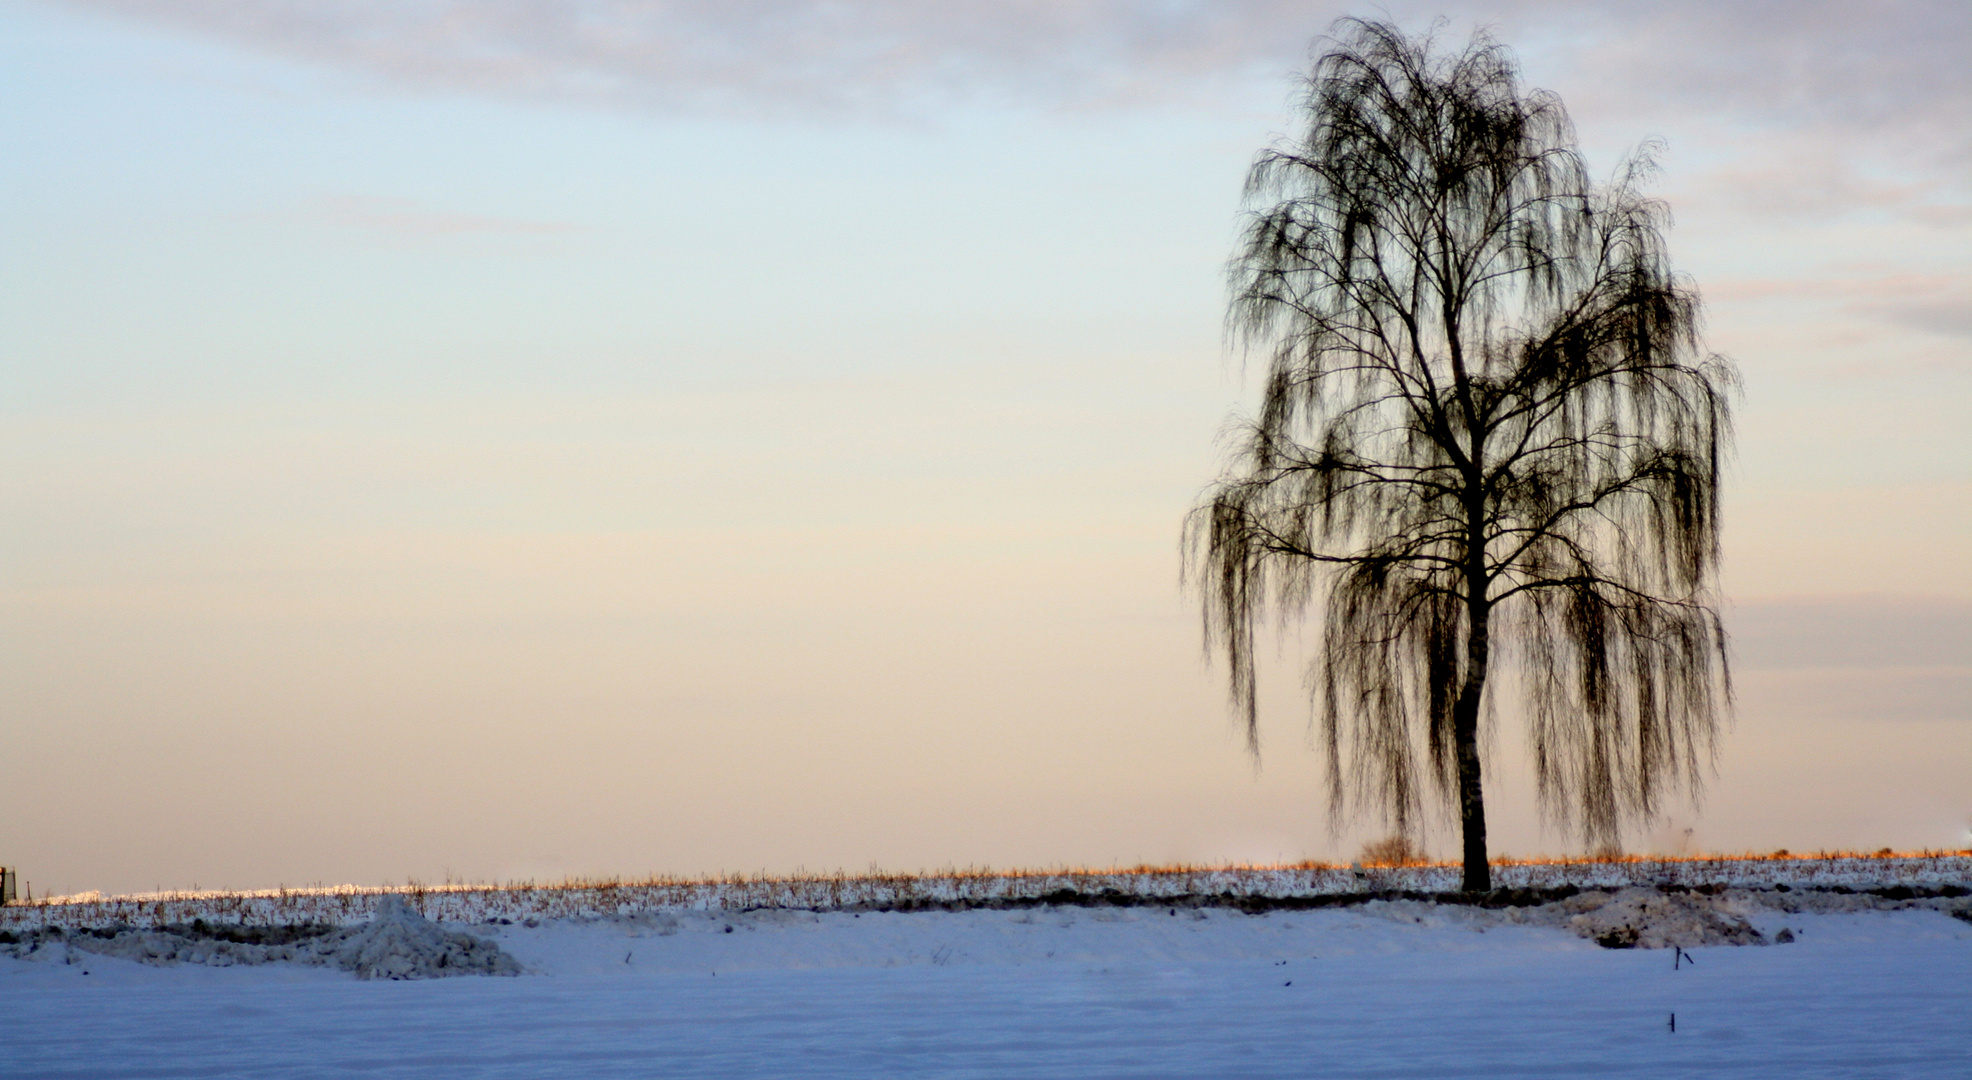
(1855, 658)
(1812, 109)
(410, 219)
(757, 55)
(1802, 113)
(1810, 62)
(1805, 181)
(1807, 63)
(1875, 632)
(1859, 694)
(1947, 317)
(1939, 304)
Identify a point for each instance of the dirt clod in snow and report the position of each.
(1651, 919)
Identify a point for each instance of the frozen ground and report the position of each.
(1381, 989)
(475, 903)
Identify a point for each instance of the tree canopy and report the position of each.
(1488, 427)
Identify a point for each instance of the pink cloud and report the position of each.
(1805, 181)
(1934, 303)
(1903, 633)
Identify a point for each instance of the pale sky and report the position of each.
(526, 438)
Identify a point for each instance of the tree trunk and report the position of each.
(1465, 738)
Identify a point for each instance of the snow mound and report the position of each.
(1653, 919)
(399, 943)
(171, 946)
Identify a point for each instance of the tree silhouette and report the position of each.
(1488, 427)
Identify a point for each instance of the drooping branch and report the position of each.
(1485, 389)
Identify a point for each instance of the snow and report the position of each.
(1637, 918)
(398, 943)
(345, 904)
(1394, 989)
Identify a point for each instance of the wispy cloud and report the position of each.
(410, 219)
(1806, 182)
(1898, 62)
(1811, 61)
(1876, 632)
(759, 55)
(1814, 109)
(1939, 304)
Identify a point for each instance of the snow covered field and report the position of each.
(1399, 989)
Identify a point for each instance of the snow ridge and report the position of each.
(397, 944)
(347, 905)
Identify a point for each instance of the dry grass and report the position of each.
(1395, 850)
(582, 898)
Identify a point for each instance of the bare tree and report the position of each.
(1488, 427)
